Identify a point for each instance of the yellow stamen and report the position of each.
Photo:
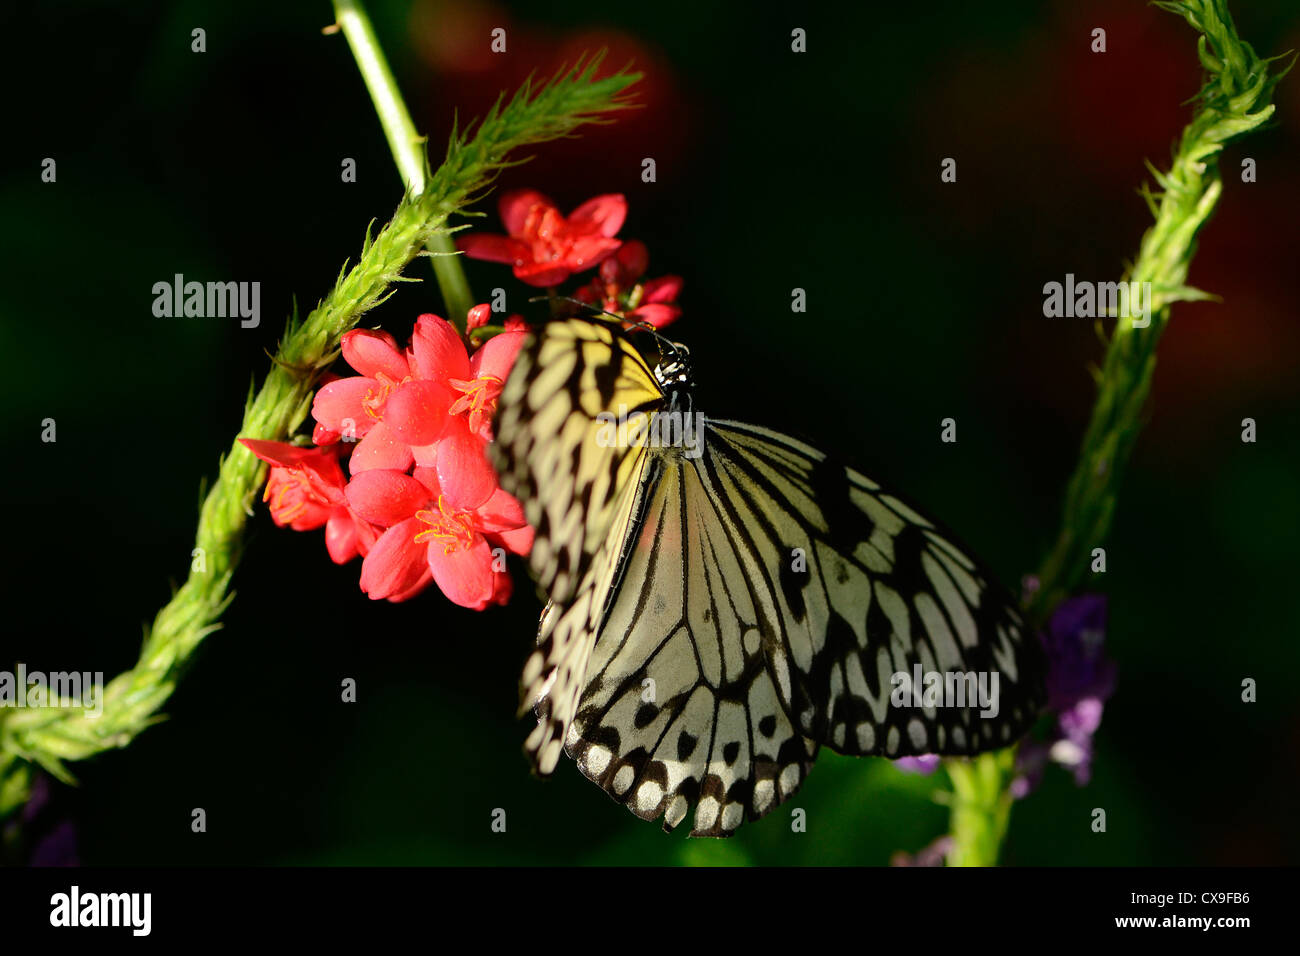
(453, 528)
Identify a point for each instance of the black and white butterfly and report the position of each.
(718, 611)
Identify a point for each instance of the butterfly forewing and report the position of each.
(578, 491)
(549, 450)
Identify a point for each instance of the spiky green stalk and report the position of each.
(1235, 100)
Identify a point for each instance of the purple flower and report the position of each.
(1077, 668)
(924, 764)
(1031, 761)
(1079, 680)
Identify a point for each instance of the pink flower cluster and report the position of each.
(422, 503)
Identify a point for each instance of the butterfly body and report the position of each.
(723, 605)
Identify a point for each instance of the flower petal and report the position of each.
(323, 435)
(426, 456)
(497, 355)
(341, 535)
(504, 588)
(438, 350)
(589, 251)
(372, 353)
(541, 275)
(292, 506)
(515, 205)
(519, 541)
(428, 476)
(424, 580)
(663, 289)
(464, 574)
(319, 466)
(602, 215)
(417, 411)
(924, 764)
(656, 314)
(396, 562)
(501, 512)
(633, 260)
(367, 534)
(338, 406)
(491, 247)
(381, 448)
(386, 497)
(466, 475)
(279, 452)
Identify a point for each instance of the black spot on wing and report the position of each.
(878, 631)
(645, 715)
(792, 584)
(909, 544)
(847, 525)
(607, 374)
(686, 744)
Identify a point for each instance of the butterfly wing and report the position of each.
(686, 657)
(679, 707)
(579, 493)
(859, 587)
(720, 667)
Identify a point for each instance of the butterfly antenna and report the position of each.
(578, 302)
(674, 348)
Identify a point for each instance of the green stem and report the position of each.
(1234, 101)
(407, 147)
(980, 809)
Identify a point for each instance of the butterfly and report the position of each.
(723, 599)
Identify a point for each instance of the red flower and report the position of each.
(617, 290)
(627, 265)
(477, 317)
(658, 300)
(430, 406)
(428, 539)
(544, 247)
(446, 415)
(305, 491)
(356, 406)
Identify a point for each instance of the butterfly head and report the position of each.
(673, 373)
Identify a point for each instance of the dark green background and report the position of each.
(775, 170)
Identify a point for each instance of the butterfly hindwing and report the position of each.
(679, 707)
